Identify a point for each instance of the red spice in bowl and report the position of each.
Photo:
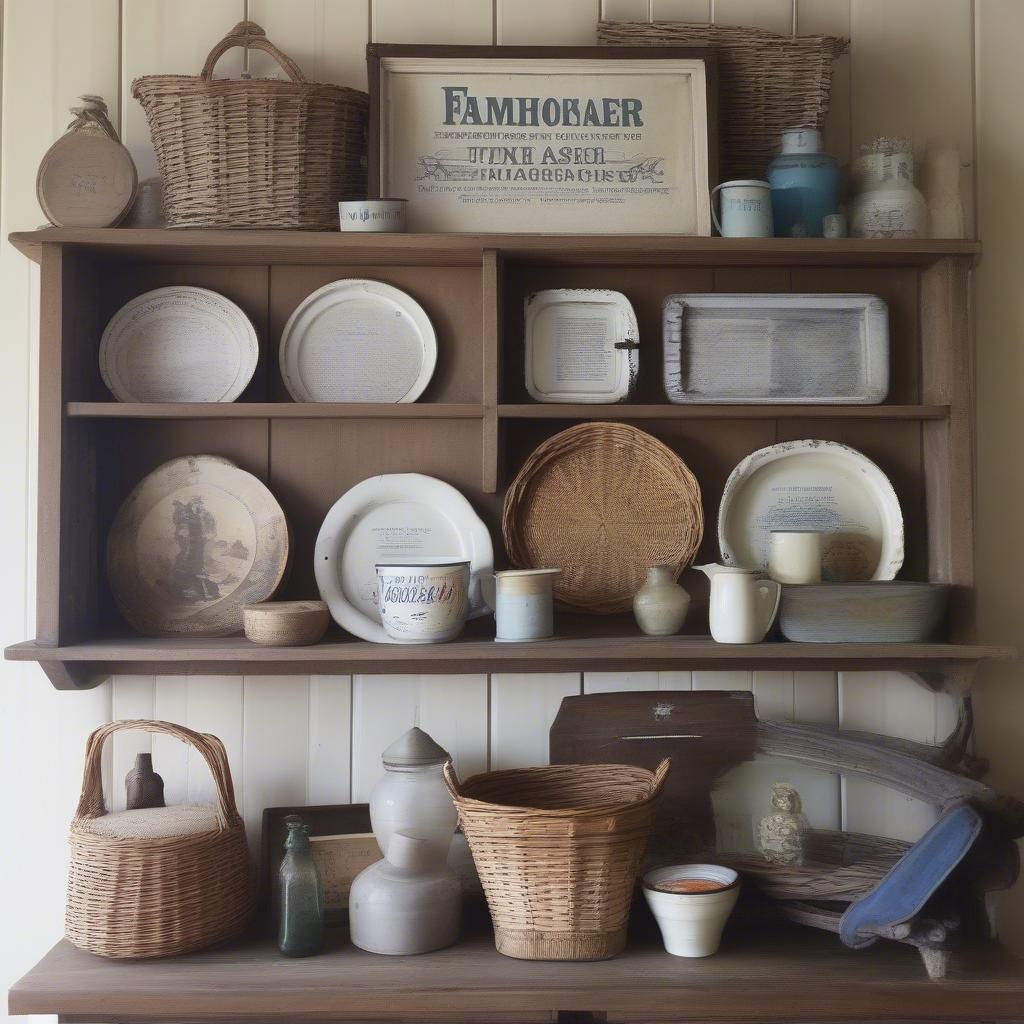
(690, 886)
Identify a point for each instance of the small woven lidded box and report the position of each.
(558, 850)
(159, 881)
(255, 153)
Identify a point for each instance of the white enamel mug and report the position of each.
(746, 206)
(423, 601)
(794, 556)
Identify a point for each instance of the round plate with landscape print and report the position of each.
(196, 540)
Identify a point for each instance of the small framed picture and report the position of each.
(587, 140)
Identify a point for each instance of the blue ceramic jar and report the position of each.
(805, 185)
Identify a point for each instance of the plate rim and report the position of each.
(532, 306)
(338, 524)
(293, 382)
(251, 352)
(893, 552)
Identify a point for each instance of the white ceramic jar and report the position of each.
(794, 556)
(691, 924)
(408, 903)
(661, 604)
(412, 797)
(523, 604)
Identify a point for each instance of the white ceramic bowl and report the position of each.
(691, 923)
(372, 214)
(423, 600)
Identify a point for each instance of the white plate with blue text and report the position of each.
(391, 518)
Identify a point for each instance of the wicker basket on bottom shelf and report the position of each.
(160, 881)
(558, 851)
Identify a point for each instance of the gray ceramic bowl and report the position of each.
(872, 612)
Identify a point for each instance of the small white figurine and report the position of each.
(780, 833)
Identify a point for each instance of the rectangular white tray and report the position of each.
(761, 348)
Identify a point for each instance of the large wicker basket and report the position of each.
(558, 851)
(258, 153)
(162, 881)
(767, 82)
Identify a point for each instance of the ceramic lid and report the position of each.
(413, 749)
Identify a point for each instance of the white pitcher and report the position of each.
(743, 607)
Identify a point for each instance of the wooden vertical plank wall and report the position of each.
(910, 70)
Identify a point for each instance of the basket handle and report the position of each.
(252, 37)
(660, 775)
(90, 803)
(451, 780)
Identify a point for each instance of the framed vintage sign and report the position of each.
(588, 140)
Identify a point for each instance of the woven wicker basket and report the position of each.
(767, 82)
(558, 851)
(162, 881)
(602, 502)
(257, 153)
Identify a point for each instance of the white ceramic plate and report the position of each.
(358, 341)
(813, 485)
(581, 346)
(178, 344)
(392, 518)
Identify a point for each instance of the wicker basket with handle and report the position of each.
(558, 850)
(160, 881)
(255, 153)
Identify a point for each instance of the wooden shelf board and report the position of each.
(774, 974)
(273, 410)
(84, 663)
(207, 246)
(539, 411)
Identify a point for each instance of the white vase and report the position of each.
(891, 207)
(661, 604)
(691, 924)
(408, 903)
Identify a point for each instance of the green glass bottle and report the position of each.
(302, 895)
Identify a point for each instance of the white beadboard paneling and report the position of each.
(170, 755)
(625, 10)
(734, 679)
(816, 698)
(832, 18)
(452, 709)
(617, 682)
(133, 698)
(773, 696)
(215, 706)
(326, 38)
(774, 15)
(329, 772)
(165, 37)
(412, 21)
(275, 736)
(695, 11)
(522, 710)
(541, 22)
(912, 73)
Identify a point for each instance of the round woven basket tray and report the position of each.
(602, 502)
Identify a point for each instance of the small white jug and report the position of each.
(743, 607)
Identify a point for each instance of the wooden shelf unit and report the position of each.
(774, 975)
(476, 423)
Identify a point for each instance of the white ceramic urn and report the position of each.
(408, 903)
(661, 604)
(412, 797)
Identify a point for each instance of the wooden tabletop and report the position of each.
(764, 974)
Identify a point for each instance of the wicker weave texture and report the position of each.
(602, 502)
(131, 898)
(257, 153)
(766, 83)
(558, 851)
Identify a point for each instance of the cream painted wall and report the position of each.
(296, 739)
